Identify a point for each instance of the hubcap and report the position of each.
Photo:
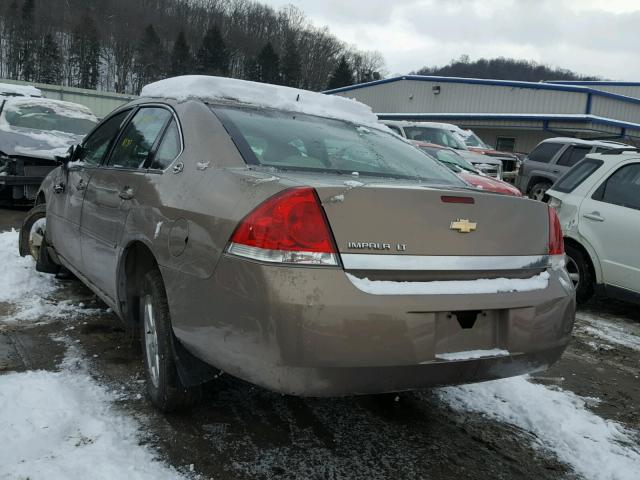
(36, 235)
(574, 273)
(151, 341)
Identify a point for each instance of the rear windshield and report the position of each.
(49, 116)
(436, 135)
(578, 174)
(291, 141)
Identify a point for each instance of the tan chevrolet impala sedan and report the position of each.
(287, 238)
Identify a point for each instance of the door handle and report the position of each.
(58, 188)
(81, 185)
(595, 216)
(126, 193)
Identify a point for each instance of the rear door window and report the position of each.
(574, 177)
(544, 152)
(169, 149)
(134, 145)
(573, 155)
(623, 187)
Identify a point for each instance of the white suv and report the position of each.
(598, 202)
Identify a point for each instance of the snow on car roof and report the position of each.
(11, 90)
(65, 109)
(223, 90)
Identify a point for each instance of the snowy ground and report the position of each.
(72, 406)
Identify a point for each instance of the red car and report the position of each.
(466, 170)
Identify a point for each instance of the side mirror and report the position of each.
(70, 156)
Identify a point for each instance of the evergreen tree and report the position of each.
(85, 53)
(181, 61)
(269, 65)
(251, 69)
(213, 55)
(50, 61)
(28, 41)
(342, 76)
(150, 58)
(291, 64)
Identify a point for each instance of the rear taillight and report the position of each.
(556, 241)
(289, 227)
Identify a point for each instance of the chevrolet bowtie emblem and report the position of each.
(463, 225)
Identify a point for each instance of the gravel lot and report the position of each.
(580, 419)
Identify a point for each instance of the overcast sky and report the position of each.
(592, 37)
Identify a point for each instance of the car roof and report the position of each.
(231, 91)
(580, 141)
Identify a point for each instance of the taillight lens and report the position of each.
(289, 227)
(556, 241)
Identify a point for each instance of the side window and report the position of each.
(623, 187)
(602, 149)
(506, 144)
(169, 148)
(574, 177)
(96, 146)
(573, 155)
(134, 145)
(544, 152)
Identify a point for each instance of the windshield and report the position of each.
(439, 136)
(450, 158)
(472, 140)
(303, 142)
(49, 116)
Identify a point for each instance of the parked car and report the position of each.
(598, 202)
(510, 161)
(13, 90)
(466, 170)
(552, 158)
(442, 134)
(287, 238)
(32, 132)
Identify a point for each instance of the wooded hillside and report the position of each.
(120, 45)
(502, 69)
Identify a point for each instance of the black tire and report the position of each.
(164, 387)
(44, 262)
(578, 263)
(538, 190)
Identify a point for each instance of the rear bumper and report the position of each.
(310, 331)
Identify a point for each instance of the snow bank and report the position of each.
(9, 90)
(615, 333)
(28, 290)
(595, 448)
(62, 425)
(220, 89)
(451, 287)
(473, 354)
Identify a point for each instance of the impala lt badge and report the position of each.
(400, 247)
(463, 225)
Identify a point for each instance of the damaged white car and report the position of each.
(33, 131)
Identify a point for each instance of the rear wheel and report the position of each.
(538, 190)
(164, 387)
(33, 240)
(579, 270)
